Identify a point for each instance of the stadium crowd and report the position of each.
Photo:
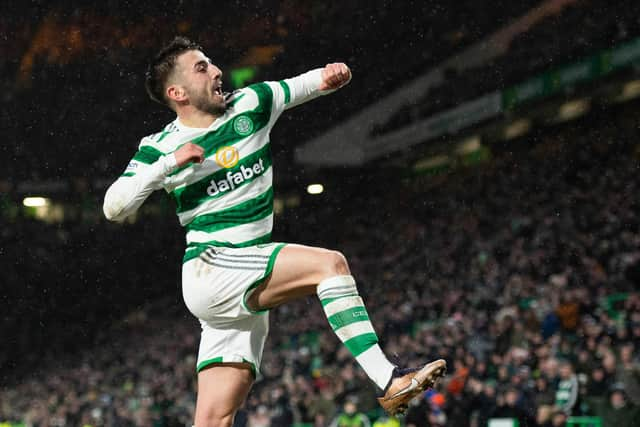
(523, 273)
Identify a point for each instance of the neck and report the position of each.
(194, 118)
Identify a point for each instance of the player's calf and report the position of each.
(350, 321)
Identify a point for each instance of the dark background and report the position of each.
(507, 266)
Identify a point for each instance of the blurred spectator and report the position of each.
(628, 372)
(418, 413)
(350, 417)
(386, 421)
(618, 411)
(509, 407)
(567, 390)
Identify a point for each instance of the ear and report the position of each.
(176, 93)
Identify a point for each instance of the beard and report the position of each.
(206, 103)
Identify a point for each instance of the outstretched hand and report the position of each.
(334, 76)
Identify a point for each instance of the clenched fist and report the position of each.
(188, 153)
(335, 76)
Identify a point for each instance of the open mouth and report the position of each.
(217, 90)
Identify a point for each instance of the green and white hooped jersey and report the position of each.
(228, 199)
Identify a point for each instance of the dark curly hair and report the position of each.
(163, 65)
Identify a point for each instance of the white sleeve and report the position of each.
(304, 87)
(127, 193)
(300, 89)
(573, 397)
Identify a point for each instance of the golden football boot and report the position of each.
(405, 384)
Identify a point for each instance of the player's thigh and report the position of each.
(297, 271)
(222, 389)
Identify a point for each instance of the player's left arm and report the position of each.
(314, 83)
(130, 191)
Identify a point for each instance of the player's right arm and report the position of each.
(314, 83)
(129, 192)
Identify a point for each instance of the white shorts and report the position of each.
(215, 287)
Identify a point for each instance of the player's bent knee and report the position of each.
(336, 264)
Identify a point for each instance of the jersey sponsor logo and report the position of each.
(227, 157)
(243, 125)
(234, 179)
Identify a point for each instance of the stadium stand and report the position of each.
(81, 70)
(594, 27)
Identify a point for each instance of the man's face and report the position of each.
(511, 398)
(597, 374)
(617, 400)
(565, 371)
(201, 82)
(349, 408)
